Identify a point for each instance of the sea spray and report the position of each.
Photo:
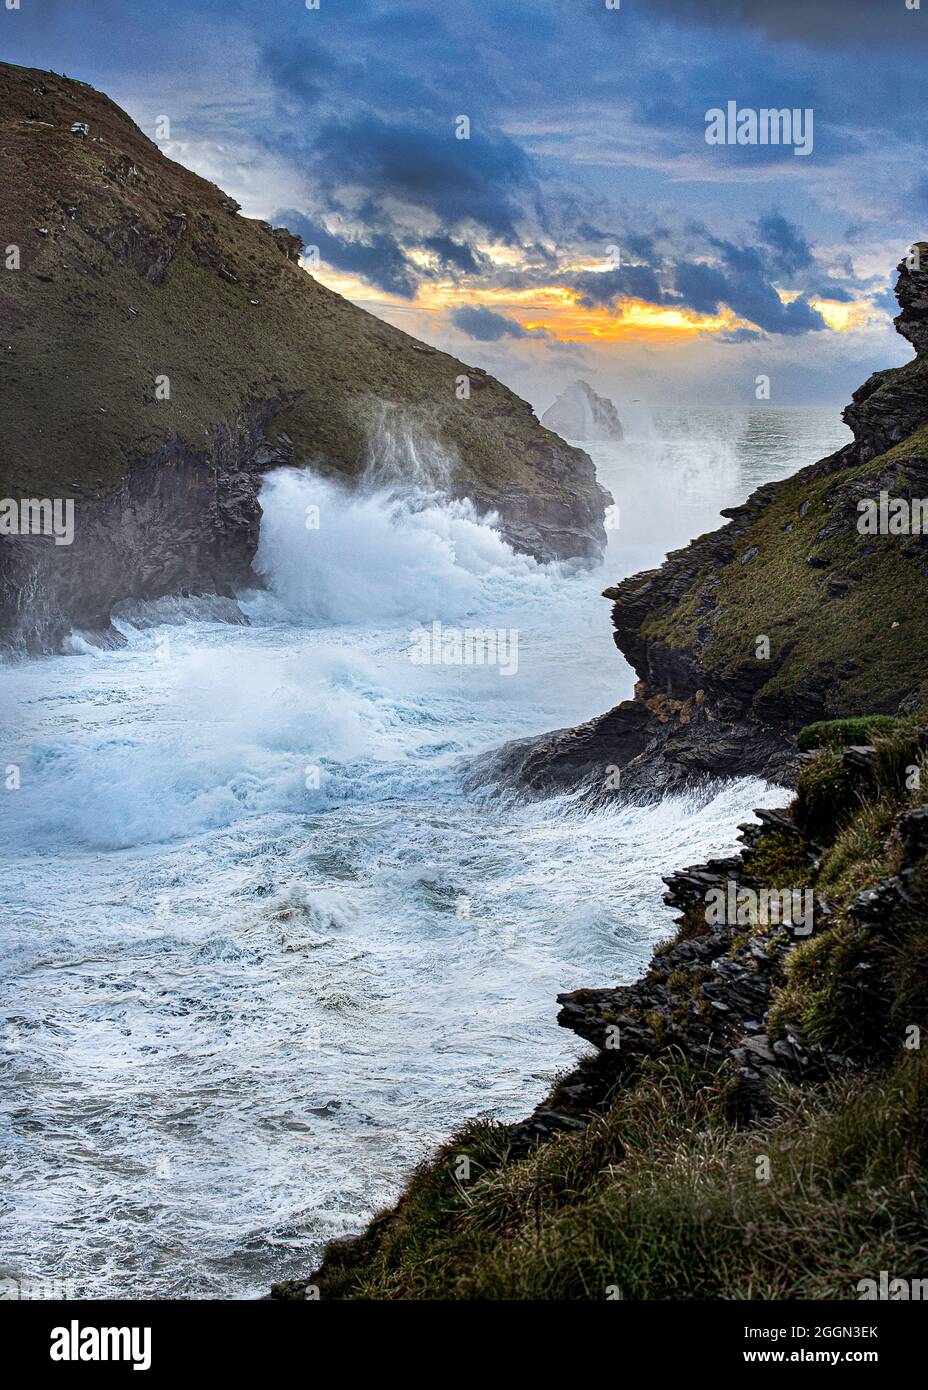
(256, 1001)
(372, 555)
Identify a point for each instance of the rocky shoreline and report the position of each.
(784, 616)
(753, 1005)
(729, 999)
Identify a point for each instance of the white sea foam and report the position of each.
(379, 555)
(240, 1006)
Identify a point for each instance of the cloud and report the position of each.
(739, 278)
(626, 281)
(485, 325)
(485, 181)
(740, 335)
(741, 284)
(822, 23)
(791, 250)
(886, 300)
(836, 293)
(305, 71)
(454, 255)
(377, 258)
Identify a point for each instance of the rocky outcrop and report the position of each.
(790, 613)
(184, 522)
(706, 994)
(161, 352)
(912, 293)
(579, 413)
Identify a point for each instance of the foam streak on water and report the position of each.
(259, 949)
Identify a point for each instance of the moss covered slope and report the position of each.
(793, 612)
(133, 266)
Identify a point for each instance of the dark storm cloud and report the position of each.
(642, 245)
(741, 284)
(486, 180)
(835, 292)
(791, 251)
(627, 281)
(378, 259)
(736, 277)
(453, 254)
(486, 326)
(306, 71)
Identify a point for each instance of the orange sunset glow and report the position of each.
(558, 312)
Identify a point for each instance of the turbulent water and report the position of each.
(260, 950)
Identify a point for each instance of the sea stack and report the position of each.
(579, 413)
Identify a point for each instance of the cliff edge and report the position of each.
(754, 1121)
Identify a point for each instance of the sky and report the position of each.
(528, 184)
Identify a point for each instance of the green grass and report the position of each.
(84, 343)
(846, 989)
(661, 1199)
(843, 733)
(859, 647)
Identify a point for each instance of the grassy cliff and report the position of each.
(160, 350)
(791, 612)
(761, 1128)
(844, 612)
(132, 266)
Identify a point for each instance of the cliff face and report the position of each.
(161, 352)
(790, 613)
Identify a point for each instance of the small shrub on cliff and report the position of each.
(843, 733)
(836, 994)
(780, 861)
(898, 751)
(855, 987)
(826, 796)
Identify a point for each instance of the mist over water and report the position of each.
(259, 949)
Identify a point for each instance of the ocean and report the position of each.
(260, 950)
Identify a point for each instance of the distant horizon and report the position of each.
(620, 398)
